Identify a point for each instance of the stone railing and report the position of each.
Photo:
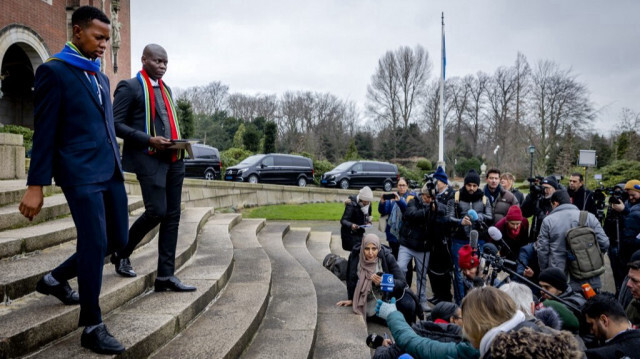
(11, 156)
(221, 194)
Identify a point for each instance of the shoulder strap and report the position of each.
(457, 196)
(583, 218)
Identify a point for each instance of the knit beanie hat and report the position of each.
(569, 320)
(472, 177)
(365, 194)
(440, 175)
(631, 185)
(550, 180)
(466, 258)
(514, 214)
(443, 310)
(555, 277)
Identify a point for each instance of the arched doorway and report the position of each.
(21, 52)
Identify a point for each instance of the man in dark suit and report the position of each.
(145, 117)
(609, 323)
(75, 143)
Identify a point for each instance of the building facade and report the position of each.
(33, 30)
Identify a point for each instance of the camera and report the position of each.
(535, 188)
(388, 196)
(617, 195)
(430, 181)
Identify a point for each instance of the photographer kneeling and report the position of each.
(367, 262)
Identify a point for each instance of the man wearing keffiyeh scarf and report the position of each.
(145, 117)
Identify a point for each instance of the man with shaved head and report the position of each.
(145, 117)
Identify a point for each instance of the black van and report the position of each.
(272, 168)
(362, 173)
(205, 164)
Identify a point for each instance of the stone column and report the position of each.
(11, 156)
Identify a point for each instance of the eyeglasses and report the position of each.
(402, 185)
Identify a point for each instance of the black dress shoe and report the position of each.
(101, 341)
(173, 284)
(123, 267)
(61, 291)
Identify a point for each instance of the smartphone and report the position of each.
(388, 196)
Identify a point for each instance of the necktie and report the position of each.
(94, 84)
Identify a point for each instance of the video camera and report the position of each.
(535, 187)
(430, 181)
(617, 194)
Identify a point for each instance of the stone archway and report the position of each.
(22, 50)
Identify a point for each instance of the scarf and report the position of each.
(72, 55)
(150, 111)
(470, 197)
(487, 339)
(365, 270)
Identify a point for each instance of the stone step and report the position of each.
(150, 321)
(226, 327)
(35, 320)
(12, 191)
(319, 245)
(340, 333)
(292, 312)
(336, 246)
(14, 242)
(54, 206)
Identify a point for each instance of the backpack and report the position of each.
(585, 258)
(336, 265)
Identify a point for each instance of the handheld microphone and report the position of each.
(473, 215)
(473, 240)
(495, 234)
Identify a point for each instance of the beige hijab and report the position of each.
(365, 270)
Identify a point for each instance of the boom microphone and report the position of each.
(473, 215)
(473, 239)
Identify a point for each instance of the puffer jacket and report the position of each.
(418, 219)
(352, 214)
(551, 245)
(388, 264)
(445, 333)
(457, 211)
(500, 205)
(629, 242)
(419, 347)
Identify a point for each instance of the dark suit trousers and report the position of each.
(162, 206)
(101, 216)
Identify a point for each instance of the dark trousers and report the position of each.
(162, 206)
(100, 214)
(440, 271)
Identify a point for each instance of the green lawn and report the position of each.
(303, 212)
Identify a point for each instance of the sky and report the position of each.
(273, 46)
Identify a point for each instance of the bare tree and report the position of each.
(208, 99)
(559, 101)
(249, 107)
(501, 94)
(397, 86)
(477, 103)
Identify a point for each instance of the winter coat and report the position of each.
(388, 263)
(529, 209)
(624, 296)
(457, 211)
(419, 347)
(625, 344)
(629, 241)
(633, 312)
(444, 333)
(385, 208)
(417, 221)
(521, 240)
(583, 199)
(352, 214)
(551, 245)
(528, 258)
(519, 195)
(575, 298)
(500, 204)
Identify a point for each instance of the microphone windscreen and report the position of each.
(473, 239)
(495, 233)
(374, 340)
(490, 248)
(473, 215)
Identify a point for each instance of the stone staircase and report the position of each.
(262, 290)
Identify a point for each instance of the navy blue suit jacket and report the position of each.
(74, 140)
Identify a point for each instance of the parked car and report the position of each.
(362, 173)
(272, 168)
(205, 164)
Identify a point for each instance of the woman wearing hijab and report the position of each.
(367, 262)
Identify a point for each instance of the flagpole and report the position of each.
(443, 64)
